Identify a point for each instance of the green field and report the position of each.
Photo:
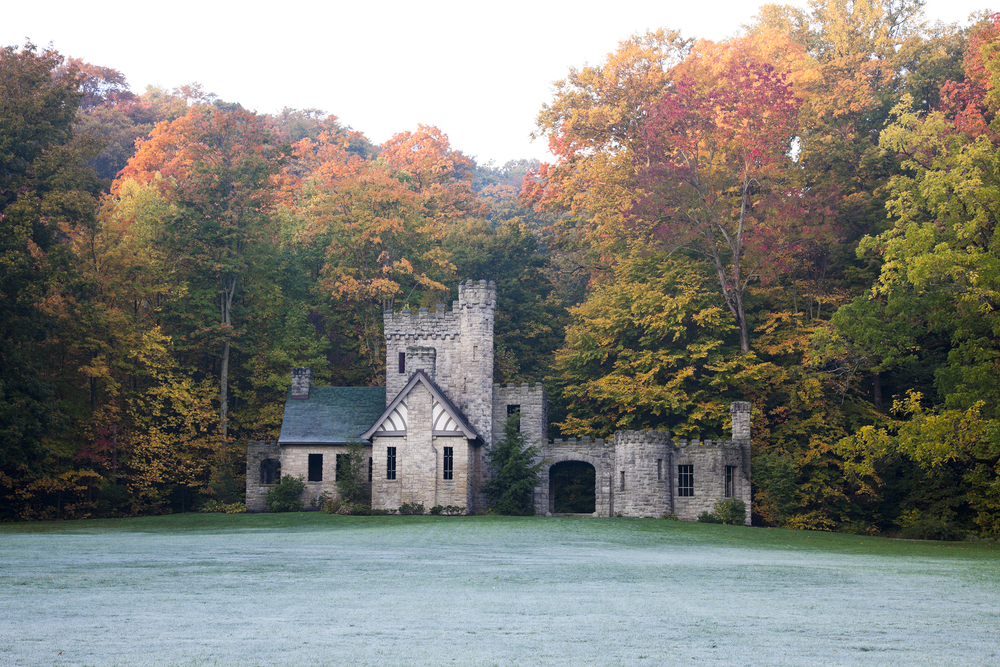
(307, 589)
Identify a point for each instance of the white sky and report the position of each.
(478, 71)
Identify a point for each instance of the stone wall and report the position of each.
(257, 452)
(295, 462)
(709, 460)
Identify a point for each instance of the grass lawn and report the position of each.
(316, 589)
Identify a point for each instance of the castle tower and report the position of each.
(455, 348)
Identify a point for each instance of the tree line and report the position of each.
(802, 216)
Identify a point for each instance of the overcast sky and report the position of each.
(479, 71)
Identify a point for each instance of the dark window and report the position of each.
(270, 471)
(449, 462)
(515, 410)
(369, 468)
(685, 480)
(390, 463)
(659, 470)
(402, 362)
(730, 478)
(315, 467)
(621, 487)
(342, 460)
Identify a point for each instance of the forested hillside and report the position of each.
(803, 216)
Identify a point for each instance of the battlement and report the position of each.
(482, 294)
(585, 440)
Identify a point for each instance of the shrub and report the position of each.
(411, 509)
(932, 528)
(352, 475)
(731, 512)
(214, 506)
(447, 510)
(708, 517)
(286, 496)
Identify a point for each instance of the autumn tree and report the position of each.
(593, 128)
(216, 168)
(712, 174)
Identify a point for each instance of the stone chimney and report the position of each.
(302, 379)
(740, 413)
(421, 359)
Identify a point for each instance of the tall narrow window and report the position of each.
(390, 463)
(621, 485)
(370, 469)
(659, 470)
(515, 410)
(730, 478)
(402, 362)
(315, 467)
(341, 466)
(449, 462)
(685, 480)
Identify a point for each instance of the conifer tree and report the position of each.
(511, 491)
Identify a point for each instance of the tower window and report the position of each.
(685, 480)
(515, 410)
(659, 470)
(449, 462)
(402, 362)
(315, 467)
(730, 478)
(390, 463)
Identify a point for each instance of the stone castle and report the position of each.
(426, 433)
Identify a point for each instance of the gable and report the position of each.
(331, 415)
(447, 420)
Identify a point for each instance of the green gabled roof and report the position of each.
(331, 415)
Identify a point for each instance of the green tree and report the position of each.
(46, 195)
(515, 473)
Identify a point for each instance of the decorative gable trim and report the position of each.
(445, 417)
(442, 422)
(395, 423)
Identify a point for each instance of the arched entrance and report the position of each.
(573, 488)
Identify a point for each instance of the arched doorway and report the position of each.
(572, 488)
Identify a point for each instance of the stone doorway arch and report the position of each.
(572, 488)
(602, 481)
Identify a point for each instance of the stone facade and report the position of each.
(443, 413)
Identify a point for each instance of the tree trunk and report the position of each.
(877, 391)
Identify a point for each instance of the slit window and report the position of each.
(685, 480)
(370, 469)
(390, 463)
(621, 484)
(515, 410)
(730, 480)
(402, 362)
(659, 470)
(449, 462)
(315, 467)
